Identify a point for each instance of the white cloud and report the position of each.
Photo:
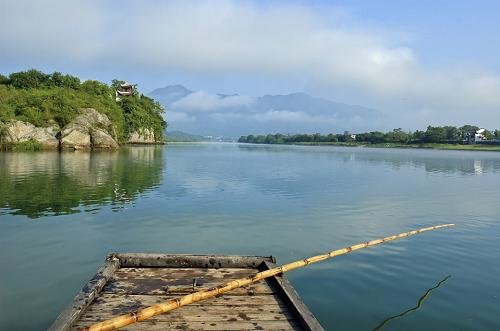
(38, 32)
(292, 116)
(179, 117)
(283, 116)
(374, 67)
(205, 102)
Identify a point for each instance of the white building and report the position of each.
(477, 137)
(125, 90)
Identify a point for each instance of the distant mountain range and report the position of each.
(234, 115)
(169, 94)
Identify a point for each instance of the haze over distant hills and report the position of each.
(234, 115)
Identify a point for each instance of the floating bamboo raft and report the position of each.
(130, 281)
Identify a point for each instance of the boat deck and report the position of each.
(131, 281)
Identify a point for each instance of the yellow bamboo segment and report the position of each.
(143, 314)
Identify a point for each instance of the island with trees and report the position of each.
(59, 111)
(467, 137)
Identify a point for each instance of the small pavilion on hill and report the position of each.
(125, 90)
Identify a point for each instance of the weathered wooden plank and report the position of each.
(211, 311)
(158, 281)
(177, 273)
(200, 326)
(85, 297)
(189, 261)
(235, 315)
(224, 300)
(125, 287)
(161, 287)
(288, 294)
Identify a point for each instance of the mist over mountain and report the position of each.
(233, 115)
(169, 94)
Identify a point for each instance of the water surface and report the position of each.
(61, 213)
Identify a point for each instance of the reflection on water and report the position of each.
(434, 161)
(417, 307)
(51, 183)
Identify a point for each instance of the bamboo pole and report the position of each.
(143, 314)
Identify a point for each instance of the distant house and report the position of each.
(476, 137)
(125, 90)
(353, 136)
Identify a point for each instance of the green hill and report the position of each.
(180, 136)
(56, 99)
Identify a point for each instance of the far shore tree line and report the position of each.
(433, 134)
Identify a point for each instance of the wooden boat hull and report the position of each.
(130, 281)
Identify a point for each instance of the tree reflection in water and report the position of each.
(51, 183)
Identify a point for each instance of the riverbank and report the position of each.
(476, 147)
(35, 146)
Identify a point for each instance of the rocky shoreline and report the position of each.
(90, 130)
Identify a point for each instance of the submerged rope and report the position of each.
(417, 307)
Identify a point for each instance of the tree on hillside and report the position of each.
(29, 79)
(95, 87)
(115, 83)
(67, 81)
(3, 79)
(143, 112)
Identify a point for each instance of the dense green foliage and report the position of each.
(443, 135)
(45, 99)
(142, 112)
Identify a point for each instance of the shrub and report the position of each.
(30, 145)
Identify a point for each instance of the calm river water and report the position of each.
(60, 214)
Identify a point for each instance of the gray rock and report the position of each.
(45, 136)
(102, 139)
(90, 129)
(18, 131)
(90, 119)
(75, 139)
(142, 136)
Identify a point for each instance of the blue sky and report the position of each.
(460, 32)
(418, 61)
